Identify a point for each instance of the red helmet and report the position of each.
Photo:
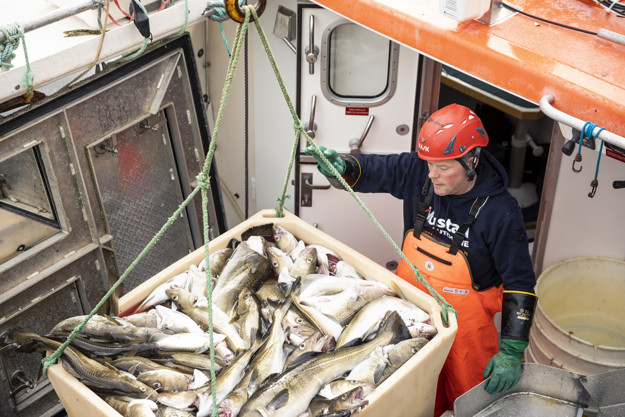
(451, 132)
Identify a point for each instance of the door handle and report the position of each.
(311, 50)
(356, 143)
(307, 189)
(310, 126)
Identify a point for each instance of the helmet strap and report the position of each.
(471, 170)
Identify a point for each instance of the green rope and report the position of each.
(232, 65)
(186, 20)
(299, 127)
(219, 15)
(13, 32)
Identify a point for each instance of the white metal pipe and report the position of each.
(559, 116)
(55, 16)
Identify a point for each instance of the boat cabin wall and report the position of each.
(270, 125)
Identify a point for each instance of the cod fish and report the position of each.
(368, 318)
(130, 407)
(397, 355)
(284, 239)
(221, 323)
(349, 401)
(226, 381)
(370, 370)
(316, 342)
(248, 315)
(217, 261)
(340, 386)
(105, 328)
(246, 268)
(158, 295)
(90, 372)
(290, 393)
(165, 380)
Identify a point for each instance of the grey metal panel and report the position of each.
(74, 233)
(38, 317)
(140, 190)
(186, 134)
(608, 392)
(542, 391)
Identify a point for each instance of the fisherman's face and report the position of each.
(449, 177)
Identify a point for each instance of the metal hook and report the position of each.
(237, 14)
(594, 184)
(578, 158)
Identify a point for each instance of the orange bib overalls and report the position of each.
(447, 270)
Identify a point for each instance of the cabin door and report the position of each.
(356, 92)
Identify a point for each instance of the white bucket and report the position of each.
(579, 323)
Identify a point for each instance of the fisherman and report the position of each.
(468, 241)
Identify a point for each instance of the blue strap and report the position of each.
(586, 132)
(600, 150)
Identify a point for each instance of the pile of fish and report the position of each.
(296, 331)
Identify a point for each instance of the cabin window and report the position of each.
(358, 67)
(27, 212)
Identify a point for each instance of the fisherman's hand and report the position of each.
(333, 157)
(504, 367)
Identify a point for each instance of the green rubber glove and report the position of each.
(504, 367)
(332, 155)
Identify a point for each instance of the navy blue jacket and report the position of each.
(497, 248)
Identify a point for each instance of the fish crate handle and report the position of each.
(237, 14)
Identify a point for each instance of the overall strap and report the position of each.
(427, 192)
(473, 213)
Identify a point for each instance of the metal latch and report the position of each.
(307, 189)
(20, 381)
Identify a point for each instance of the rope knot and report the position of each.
(202, 181)
(299, 126)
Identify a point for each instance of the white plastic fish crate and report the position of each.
(408, 392)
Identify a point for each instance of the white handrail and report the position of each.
(558, 116)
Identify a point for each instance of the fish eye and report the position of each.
(157, 385)
(299, 320)
(343, 397)
(275, 263)
(142, 389)
(302, 346)
(415, 350)
(309, 260)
